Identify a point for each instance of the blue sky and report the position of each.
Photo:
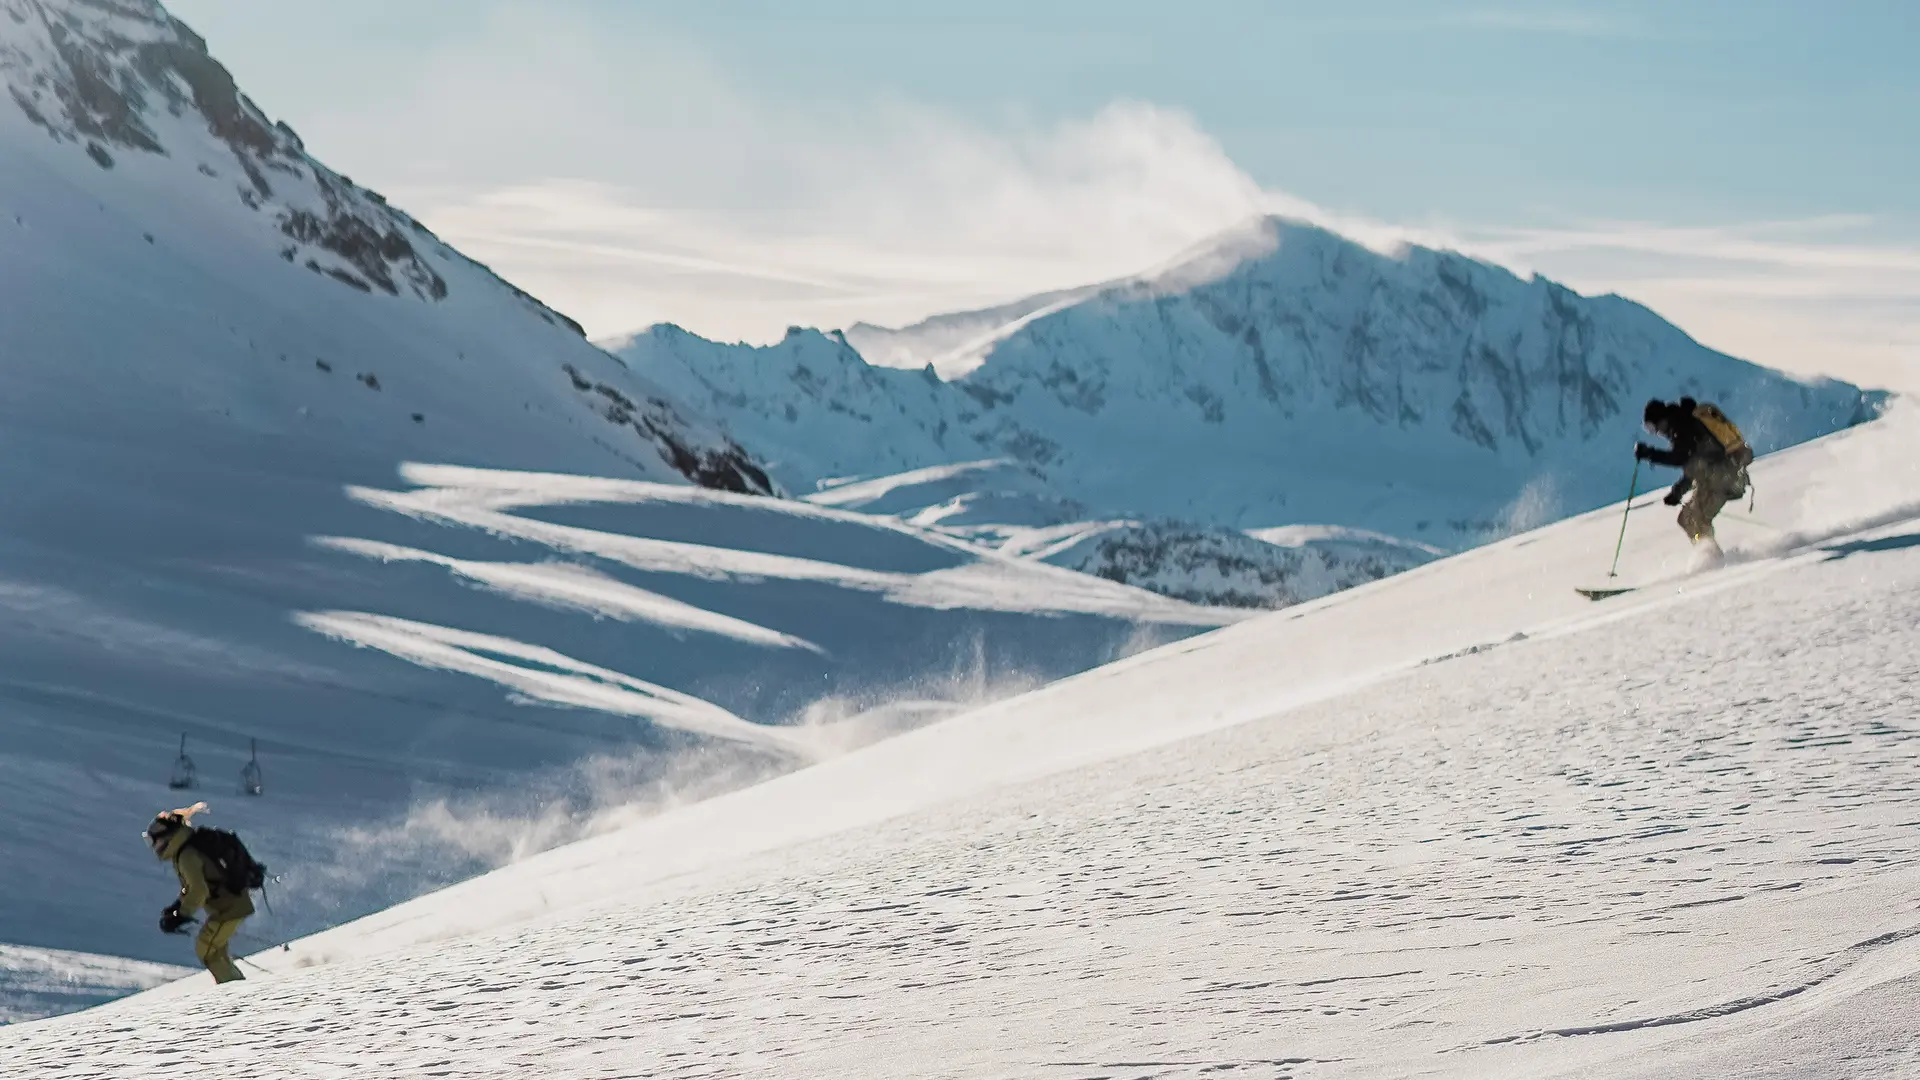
(1728, 109)
(1744, 167)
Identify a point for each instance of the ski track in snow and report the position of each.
(1673, 836)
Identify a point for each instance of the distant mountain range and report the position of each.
(1280, 376)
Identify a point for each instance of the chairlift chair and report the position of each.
(185, 774)
(250, 775)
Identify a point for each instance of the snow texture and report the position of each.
(443, 675)
(444, 561)
(45, 982)
(281, 468)
(1457, 823)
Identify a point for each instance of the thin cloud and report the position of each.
(628, 179)
(1812, 296)
(634, 181)
(1568, 22)
(1739, 243)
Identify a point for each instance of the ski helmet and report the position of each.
(166, 823)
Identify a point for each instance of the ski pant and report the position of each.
(1713, 485)
(211, 947)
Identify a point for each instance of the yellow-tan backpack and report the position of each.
(1730, 440)
(1722, 428)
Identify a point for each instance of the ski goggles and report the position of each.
(159, 833)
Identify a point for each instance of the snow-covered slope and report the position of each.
(43, 982)
(955, 344)
(999, 505)
(1279, 376)
(277, 466)
(1227, 568)
(449, 672)
(1458, 823)
(177, 268)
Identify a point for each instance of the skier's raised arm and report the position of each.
(1672, 459)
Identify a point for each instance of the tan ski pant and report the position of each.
(211, 948)
(1712, 487)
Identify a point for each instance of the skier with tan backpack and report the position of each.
(216, 874)
(1710, 452)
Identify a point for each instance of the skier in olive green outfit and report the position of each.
(200, 887)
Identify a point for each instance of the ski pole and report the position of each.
(1633, 489)
(265, 944)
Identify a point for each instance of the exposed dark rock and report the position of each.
(731, 469)
(728, 468)
(96, 100)
(339, 275)
(374, 253)
(1223, 568)
(101, 90)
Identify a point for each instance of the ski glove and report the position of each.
(1642, 452)
(172, 921)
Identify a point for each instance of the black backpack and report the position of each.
(233, 864)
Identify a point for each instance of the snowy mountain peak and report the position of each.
(1279, 375)
(1283, 320)
(141, 181)
(118, 77)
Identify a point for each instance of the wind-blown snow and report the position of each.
(916, 567)
(574, 587)
(540, 674)
(394, 648)
(956, 344)
(282, 468)
(1460, 822)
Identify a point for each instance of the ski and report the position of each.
(1602, 594)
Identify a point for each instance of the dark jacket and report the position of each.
(1693, 449)
(1690, 439)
